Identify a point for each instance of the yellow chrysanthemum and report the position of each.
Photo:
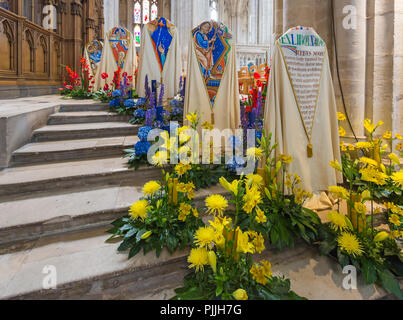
(160, 158)
(350, 244)
(371, 174)
(240, 294)
(198, 258)
(337, 220)
(254, 153)
(342, 132)
(395, 219)
(257, 180)
(139, 210)
(364, 145)
(251, 199)
(260, 216)
(204, 237)
(369, 161)
(360, 208)
(397, 177)
(341, 116)
(151, 187)
(216, 204)
(181, 169)
(339, 192)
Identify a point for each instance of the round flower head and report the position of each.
(116, 93)
(129, 103)
(240, 294)
(216, 204)
(143, 133)
(141, 147)
(198, 258)
(337, 220)
(350, 244)
(254, 153)
(141, 102)
(139, 210)
(151, 187)
(204, 237)
(139, 114)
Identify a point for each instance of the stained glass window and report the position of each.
(146, 11)
(154, 11)
(137, 36)
(213, 10)
(137, 12)
(143, 14)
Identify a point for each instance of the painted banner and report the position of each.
(303, 52)
(211, 41)
(161, 33)
(119, 40)
(94, 50)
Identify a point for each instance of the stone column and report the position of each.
(397, 116)
(351, 50)
(111, 14)
(383, 62)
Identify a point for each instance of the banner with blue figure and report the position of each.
(161, 36)
(94, 52)
(211, 41)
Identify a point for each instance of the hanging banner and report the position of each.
(94, 52)
(161, 33)
(303, 51)
(211, 42)
(119, 40)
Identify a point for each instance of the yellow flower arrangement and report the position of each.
(342, 132)
(397, 177)
(257, 180)
(364, 145)
(139, 210)
(336, 165)
(381, 236)
(198, 258)
(285, 158)
(192, 118)
(254, 153)
(160, 158)
(341, 116)
(395, 159)
(207, 125)
(151, 188)
(261, 273)
(184, 211)
(387, 135)
(360, 208)
(216, 204)
(251, 199)
(349, 243)
(371, 174)
(368, 161)
(260, 216)
(243, 245)
(394, 219)
(181, 169)
(339, 192)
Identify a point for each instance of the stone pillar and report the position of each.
(111, 14)
(351, 50)
(383, 62)
(397, 116)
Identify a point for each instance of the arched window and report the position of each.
(213, 10)
(144, 12)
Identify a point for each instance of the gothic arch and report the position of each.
(9, 32)
(44, 46)
(29, 38)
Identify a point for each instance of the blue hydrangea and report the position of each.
(177, 111)
(114, 103)
(143, 133)
(175, 103)
(116, 93)
(129, 103)
(139, 114)
(141, 102)
(141, 147)
(234, 163)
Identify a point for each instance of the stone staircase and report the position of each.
(59, 197)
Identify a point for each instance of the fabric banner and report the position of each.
(93, 54)
(211, 41)
(119, 40)
(161, 36)
(301, 108)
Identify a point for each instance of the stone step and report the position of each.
(84, 131)
(84, 107)
(88, 268)
(25, 220)
(38, 152)
(38, 178)
(86, 117)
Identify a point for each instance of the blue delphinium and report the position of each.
(141, 102)
(139, 114)
(114, 103)
(143, 133)
(141, 147)
(129, 103)
(116, 93)
(175, 103)
(258, 135)
(234, 163)
(235, 142)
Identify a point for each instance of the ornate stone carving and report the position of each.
(76, 9)
(90, 23)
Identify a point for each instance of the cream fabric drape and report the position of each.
(108, 63)
(283, 120)
(148, 65)
(226, 106)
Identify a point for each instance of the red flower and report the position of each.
(69, 87)
(61, 89)
(93, 81)
(124, 74)
(259, 84)
(109, 93)
(248, 109)
(106, 87)
(257, 76)
(104, 75)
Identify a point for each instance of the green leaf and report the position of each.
(368, 271)
(135, 250)
(390, 283)
(140, 234)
